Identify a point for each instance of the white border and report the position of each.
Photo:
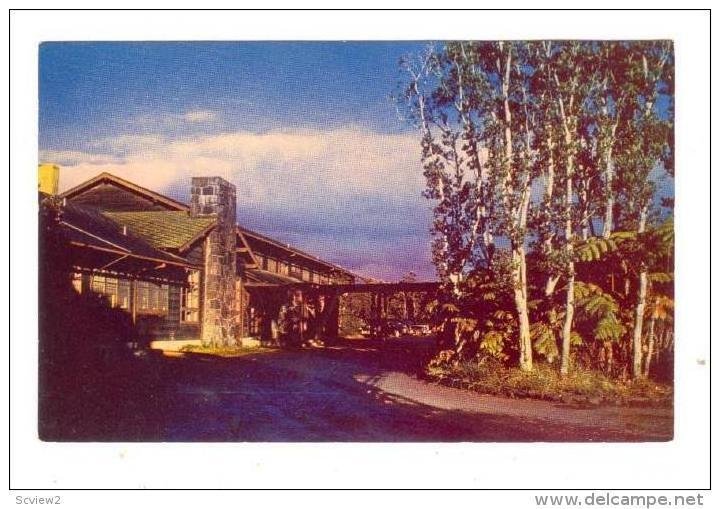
(681, 463)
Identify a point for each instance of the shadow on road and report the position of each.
(356, 390)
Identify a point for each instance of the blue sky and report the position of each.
(306, 132)
(259, 85)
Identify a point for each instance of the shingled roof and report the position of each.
(86, 226)
(164, 229)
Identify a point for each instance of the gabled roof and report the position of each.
(179, 232)
(293, 250)
(108, 177)
(164, 229)
(87, 227)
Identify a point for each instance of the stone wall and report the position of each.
(214, 196)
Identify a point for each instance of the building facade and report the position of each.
(182, 271)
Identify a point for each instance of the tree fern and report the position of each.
(598, 312)
(544, 340)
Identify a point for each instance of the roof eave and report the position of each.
(128, 185)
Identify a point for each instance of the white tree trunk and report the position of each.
(520, 293)
(519, 213)
(609, 175)
(570, 291)
(567, 325)
(650, 346)
(552, 279)
(640, 308)
(609, 193)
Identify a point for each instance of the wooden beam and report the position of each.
(133, 255)
(375, 288)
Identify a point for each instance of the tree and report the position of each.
(536, 153)
(433, 100)
(645, 145)
(471, 104)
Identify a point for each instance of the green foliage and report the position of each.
(609, 328)
(490, 376)
(544, 340)
(492, 343)
(219, 351)
(595, 248)
(597, 313)
(661, 277)
(581, 146)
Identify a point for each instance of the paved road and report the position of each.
(363, 391)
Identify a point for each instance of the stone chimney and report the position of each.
(215, 197)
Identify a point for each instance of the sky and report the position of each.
(305, 131)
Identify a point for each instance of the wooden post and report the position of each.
(329, 321)
(133, 300)
(375, 313)
(240, 307)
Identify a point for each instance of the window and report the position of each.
(152, 298)
(190, 299)
(272, 265)
(294, 271)
(77, 282)
(116, 291)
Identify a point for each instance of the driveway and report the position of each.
(361, 391)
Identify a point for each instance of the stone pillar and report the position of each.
(215, 197)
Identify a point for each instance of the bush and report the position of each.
(488, 375)
(220, 351)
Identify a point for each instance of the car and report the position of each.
(387, 328)
(420, 329)
(394, 328)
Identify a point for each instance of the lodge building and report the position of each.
(180, 270)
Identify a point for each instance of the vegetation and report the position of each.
(544, 382)
(551, 238)
(219, 350)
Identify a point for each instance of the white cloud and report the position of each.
(200, 116)
(280, 165)
(358, 189)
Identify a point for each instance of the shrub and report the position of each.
(488, 375)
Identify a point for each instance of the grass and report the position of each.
(220, 351)
(545, 382)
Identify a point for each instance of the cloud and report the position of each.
(346, 186)
(72, 158)
(200, 116)
(349, 162)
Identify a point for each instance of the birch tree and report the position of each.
(569, 79)
(471, 103)
(645, 146)
(508, 118)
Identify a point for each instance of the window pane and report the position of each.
(77, 282)
(190, 299)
